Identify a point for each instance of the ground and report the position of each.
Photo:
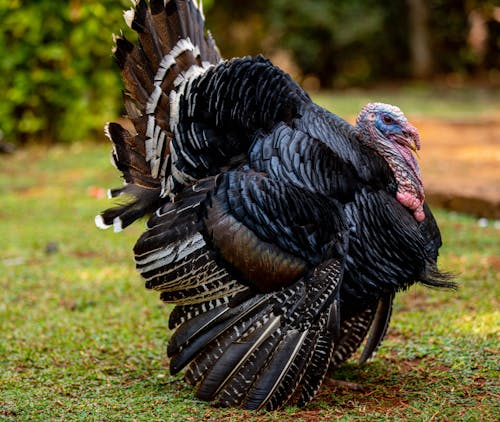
(461, 164)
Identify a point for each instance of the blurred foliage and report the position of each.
(335, 41)
(351, 42)
(59, 81)
(341, 42)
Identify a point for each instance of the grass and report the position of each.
(83, 340)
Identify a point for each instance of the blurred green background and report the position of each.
(59, 82)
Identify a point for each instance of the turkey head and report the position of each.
(385, 129)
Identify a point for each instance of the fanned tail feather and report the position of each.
(352, 333)
(372, 321)
(261, 353)
(378, 328)
(172, 47)
(180, 314)
(141, 202)
(174, 258)
(318, 368)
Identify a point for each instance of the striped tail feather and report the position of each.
(141, 189)
(372, 321)
(353, 331)
(208, 291)
(174, 258)
(318, 368)
(265, 351)
(189, 340)
(181, 313)
(141, 202)
(297, 355)
(378, 328)
(171, 48)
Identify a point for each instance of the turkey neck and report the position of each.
(404, 167)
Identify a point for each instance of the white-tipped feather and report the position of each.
(200, 8)
(153, 100)
(180, 176)
(167, 184)
(172, 147)
(153, 149)
(157, 160)
(117, 225)
(187, 248)
(106, 131)
(161, 253)
(155, 167)
(155, 137)
(150, 142)
(189, 74)
(150, 130)
(128, 17)
(99, 222)
(182, 46)
(171, 269)
(163, 170)
(159, 148)
(170, 254)
(114, 47)
(193, 138)
(166, 63)
(174, 109)
(154, 255)
(112, 159)
(182, 83)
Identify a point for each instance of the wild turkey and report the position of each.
(279, 230)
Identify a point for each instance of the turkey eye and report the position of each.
(388, 120)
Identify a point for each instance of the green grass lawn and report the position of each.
(81, 338)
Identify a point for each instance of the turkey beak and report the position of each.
(413, 146)
(412, 138)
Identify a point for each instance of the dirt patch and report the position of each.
(460, 164)
(391, 388)
(494, 263)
